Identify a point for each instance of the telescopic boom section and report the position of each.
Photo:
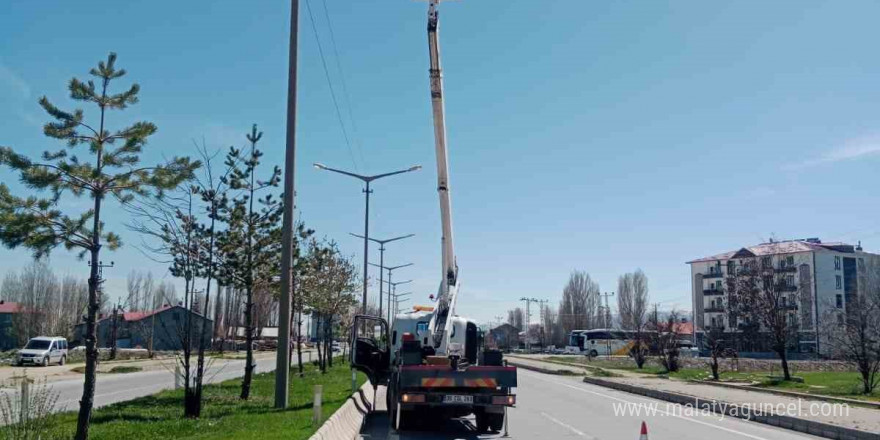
(448, 285)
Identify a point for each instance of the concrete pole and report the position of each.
(381, 266)
(366, 242)
(282, 357)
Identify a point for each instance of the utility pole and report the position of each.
(282, 357)
(541, 303)
(527, 323)
(606, 315)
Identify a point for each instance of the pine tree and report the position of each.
(110, 168)
(252, 240)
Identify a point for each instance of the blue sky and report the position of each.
(594, 135)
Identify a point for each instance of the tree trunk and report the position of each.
(88, 396)
(783, 356)
(299, 353)
(328, 331)
(714, 367)
(249, 341)
(85, 403)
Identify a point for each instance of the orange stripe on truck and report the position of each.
(437, 382)
(483, 382)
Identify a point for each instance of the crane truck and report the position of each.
(431, 359)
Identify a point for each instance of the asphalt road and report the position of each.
(112, 388)
(560, 407)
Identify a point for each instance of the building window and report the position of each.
(765, 262)
(839, 299)
(789, 260)
(836, 263)
(838, 281)
(717, 285)
(840, 319)
(789, 280)
(730, 267)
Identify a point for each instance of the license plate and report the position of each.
(461, 400)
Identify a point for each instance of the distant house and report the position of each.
(503, 337)
(161, 329)
(8, 338)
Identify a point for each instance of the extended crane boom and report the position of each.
(437, 370)
(440, 325)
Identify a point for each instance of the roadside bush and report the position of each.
(27, 418)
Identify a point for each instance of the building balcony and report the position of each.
(714, 309)
(786, 269)
(713, 274)
(710, 292)
(786, 288)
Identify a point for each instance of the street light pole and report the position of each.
(282, 357)
(396, 296)
(390, 270)
(392, 287)
(367, 191)
(381, 259)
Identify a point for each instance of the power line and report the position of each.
(330, 84)
(345, 93)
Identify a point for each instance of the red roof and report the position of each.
(137, 316)
(8, 307)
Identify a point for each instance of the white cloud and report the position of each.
(851, 150)
(10, 80)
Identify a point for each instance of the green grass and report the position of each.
(835, 384)
(224, 416)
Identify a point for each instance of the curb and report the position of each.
(543, 370)
(346, 422)
(795, 424)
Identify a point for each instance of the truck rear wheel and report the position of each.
(496, 421)
(489, 421)
(400, 419)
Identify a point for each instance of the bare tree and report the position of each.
(516, 318)
(718, 343)
(762, 291)
(578, 309)
(853, 334)
(665, 335)
(632, 304)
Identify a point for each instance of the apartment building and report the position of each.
(819, 280)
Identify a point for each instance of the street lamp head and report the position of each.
(319, 166)
(415, 168)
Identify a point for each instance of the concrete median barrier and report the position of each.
(346, 422)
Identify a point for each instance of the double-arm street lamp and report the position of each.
(392, 289)
(382, 260)
(396, 301)
(390, 272)
(367, 191)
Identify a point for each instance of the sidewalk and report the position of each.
(863, 419)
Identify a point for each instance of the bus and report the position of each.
(601, 341)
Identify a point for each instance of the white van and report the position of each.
(43, 350)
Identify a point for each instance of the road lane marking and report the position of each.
(658, 410)
(566, 426)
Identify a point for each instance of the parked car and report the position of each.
(43, 350)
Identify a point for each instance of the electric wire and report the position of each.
(330, 85)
